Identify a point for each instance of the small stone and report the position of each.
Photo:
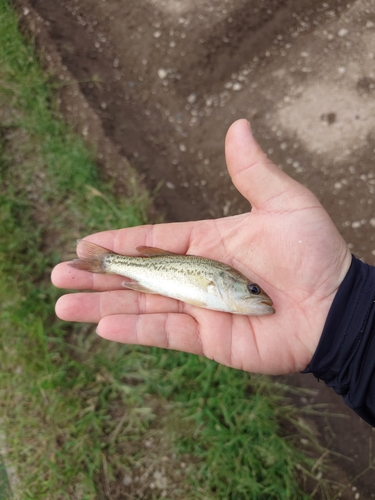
(237, 86)
(26, 11)
(162, 73)
(116, 62)
(103, 105)
(370, 24)
(127, 481)
(182, 147)
(157, 34)
(192, 98)
(372, 222)
(343, 32)
(161, 481)
(170, 185)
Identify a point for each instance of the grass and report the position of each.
(84, 418)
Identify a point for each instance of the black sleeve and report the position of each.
(345, 356)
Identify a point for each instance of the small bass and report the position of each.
(195, 280)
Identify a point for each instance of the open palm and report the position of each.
(287, 244)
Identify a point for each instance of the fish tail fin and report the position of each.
(92, 257)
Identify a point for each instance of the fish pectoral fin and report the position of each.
(137, 287)
(152, 251)
(208, 284)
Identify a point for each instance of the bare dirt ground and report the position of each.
(158, 82)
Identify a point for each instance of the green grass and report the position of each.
(84, 418)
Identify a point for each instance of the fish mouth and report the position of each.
(267, 301)
(259, 301)
(259, 306)
(263, 306)
(266, 306)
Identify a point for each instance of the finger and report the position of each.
(257, 178)
(91, 307)
(167, 330)
(65, 276)
(174, 237)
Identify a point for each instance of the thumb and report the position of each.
(259, 180)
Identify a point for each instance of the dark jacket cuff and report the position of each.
(345, 356)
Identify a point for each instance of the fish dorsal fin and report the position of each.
(152, 251)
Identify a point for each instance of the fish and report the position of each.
(195, 280)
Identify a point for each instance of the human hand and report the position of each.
(287, 244)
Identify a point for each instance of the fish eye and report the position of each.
(253, 288)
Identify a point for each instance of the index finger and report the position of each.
(174, 237)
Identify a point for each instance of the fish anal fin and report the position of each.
(152, 251)
(137, 287)
(196, 303)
